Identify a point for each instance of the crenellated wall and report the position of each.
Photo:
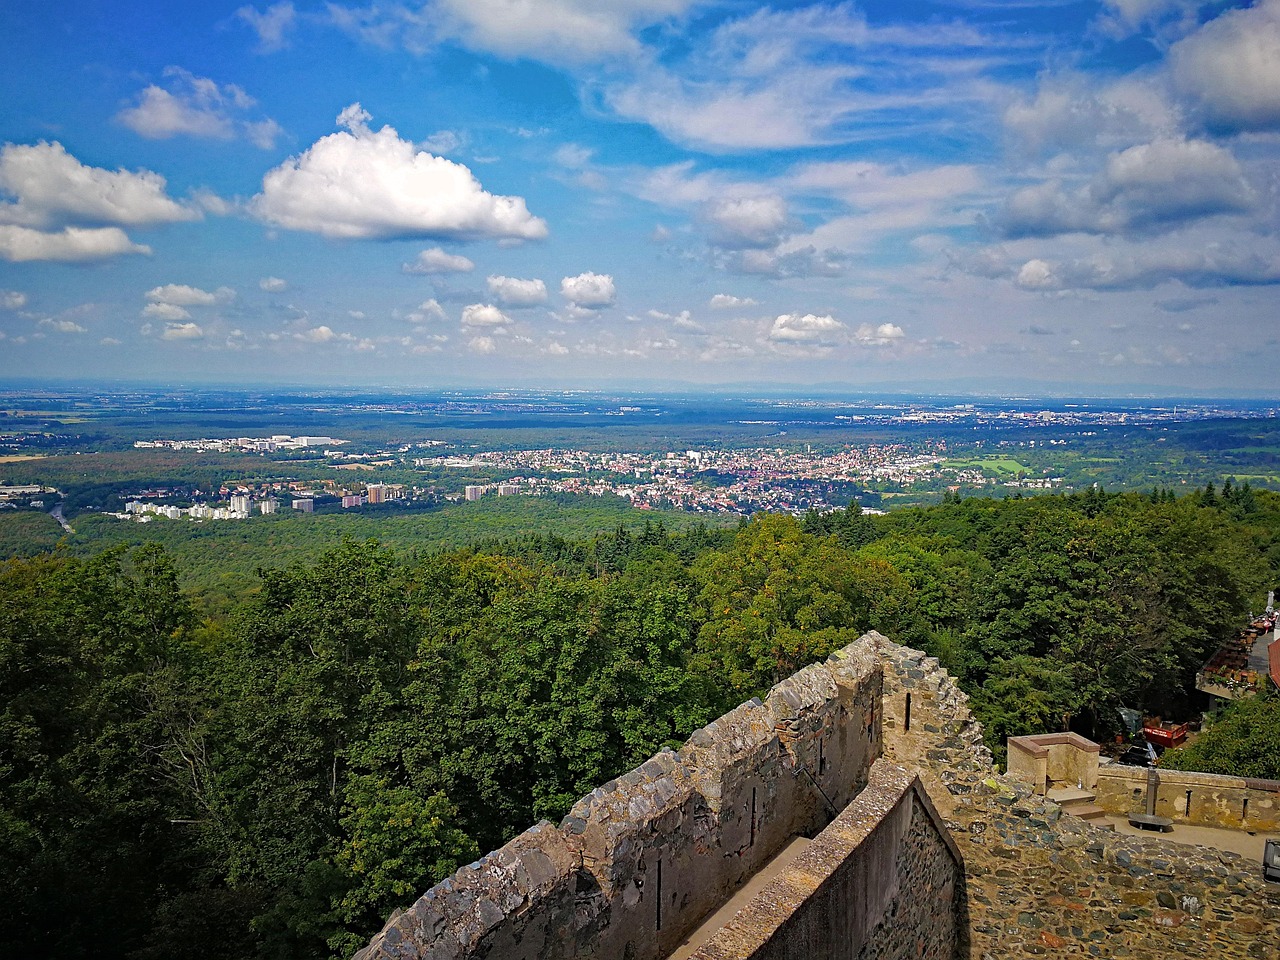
(640, 861)
(930, 852)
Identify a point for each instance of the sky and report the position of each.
(1075, 197)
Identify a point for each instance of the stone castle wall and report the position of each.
(1207, 799)
(638, 863)
(939, 856)
(884, 879)
(1041, 882)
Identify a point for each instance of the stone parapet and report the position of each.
(1205, 799)
(1043, 882)
(639, 861)
(884, 879)
(1047, 758)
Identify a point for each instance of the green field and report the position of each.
(1000, 466)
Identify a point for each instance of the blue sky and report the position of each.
(960, 193)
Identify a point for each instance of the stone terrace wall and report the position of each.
(640, 861)
(1236, 803)
(884, 880)
(1040, 882)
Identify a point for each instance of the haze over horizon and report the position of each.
(914, 195)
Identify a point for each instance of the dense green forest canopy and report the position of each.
(271, 781)
(1242, 741)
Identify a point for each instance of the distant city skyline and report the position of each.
(1071, 197)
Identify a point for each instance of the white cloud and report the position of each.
(512, 292)
(1124, 17)
(801, 77)
(53, 189)
(806, 261)
(361, 184)
(320, 334)
(436, 260)
(482, 345)
(165, 311)
(1142, 267)
(427, 311)
(270, 25)
(572, 156)
(1149, 186)
(1230, 68)
(1035, 275)
(809, 328)
(186, 296)
(441, 142)
(182, 331)
(62, 326)
(556, 349)
(197, 107)
(589, 291)
(1069, 111)
(273, 284)
(552, 31)
(746, 221)
(879, 336)
(69, 245)
(727, 301)
(483, 315)
(12, 299)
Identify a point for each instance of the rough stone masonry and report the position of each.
(921, 849)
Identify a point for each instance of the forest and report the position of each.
(272, 779)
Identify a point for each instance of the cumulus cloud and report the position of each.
(320, 334)
(483, 315)
(809, 328)
(1230, 68)
(182, 295)
(362, 184)
(197, 107)
(53, 189)
(1142, 268)
(165, 311)
(482, 345)
(273, 284)
(879, 336)
(589, 291)
(1069, 111)
(436, 260)
(182, 331)
(62, 326)
(12, 299)
(1149, 186)
(727, 301)
(512, 292)
(556, 349)
(427, 311)
(1035, 275)
(271, 25)
(69, 245)
(746, 221)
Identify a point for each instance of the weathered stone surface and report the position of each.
(1035, 881)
